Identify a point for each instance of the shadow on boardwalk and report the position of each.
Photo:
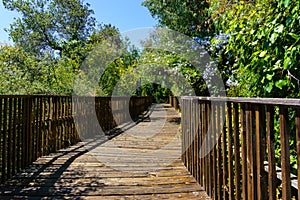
(140, 161)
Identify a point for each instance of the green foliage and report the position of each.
(264, 42)
(262, 54)
(55, 27)
(173, 71)
(21, 73)
(52, 39)
(189, 17)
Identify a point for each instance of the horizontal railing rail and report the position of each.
(243, 148)
(34, 126)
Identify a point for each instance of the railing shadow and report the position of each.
(21, 184)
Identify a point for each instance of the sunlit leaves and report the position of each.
(266, 49)
(48, 27)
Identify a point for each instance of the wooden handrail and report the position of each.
(292, 102)
(34, 126)
(241, 134)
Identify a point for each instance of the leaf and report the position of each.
(270, 76)
(277, 65)
(279, 28)
(280, 83)
(269, 87)
(287, 63)
(263, 54)
(286, 3)
(274, 37)
(295, 36)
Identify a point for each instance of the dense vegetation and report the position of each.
(51, 41)
(255, 45)
(261, 48)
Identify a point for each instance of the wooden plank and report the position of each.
(260, 139)
(230, 152)
(19, 134)
(14, 137)
(62, 122)
(219, 153)
(237, 152)
(251, 154)
(211, 156)
(59, 124)
(298, 146)
(55, 124)
(69, 120)
(9, 138)
(30, 130)
(214, 140)
(1, 141)
(49, 123)
(4, 142)
(183, 124)
(203, 122)
(75, 173)
(35, 127)
(192, 137)
(244, 152)
(28, 127)
(224, 155)
(206, 159)
(24, 140)
(261, 101)
(285, 153)
(41, 125)
(202, 134)
(197, 140)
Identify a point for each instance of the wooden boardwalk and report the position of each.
(143, 162)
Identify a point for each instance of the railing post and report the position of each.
(285, 153)
(244, 152)
(230, 151)
(237, 152)
(260, 137)
(225, 154)
(298, 146)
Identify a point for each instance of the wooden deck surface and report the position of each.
(143, 162)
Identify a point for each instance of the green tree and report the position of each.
(55, 27)
(172, 71)
(264, 42)
(261, 57)
(22, 74)
(189, 17)
(51, 41)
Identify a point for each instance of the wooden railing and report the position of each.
(245, 138)
(174, 101)
(34, 126)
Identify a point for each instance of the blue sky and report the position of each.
(124, 14)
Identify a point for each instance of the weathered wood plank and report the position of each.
(260, 140)
(147, 167)
(244, 151)
(237, 152)
(285, 153)
(298, 146)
